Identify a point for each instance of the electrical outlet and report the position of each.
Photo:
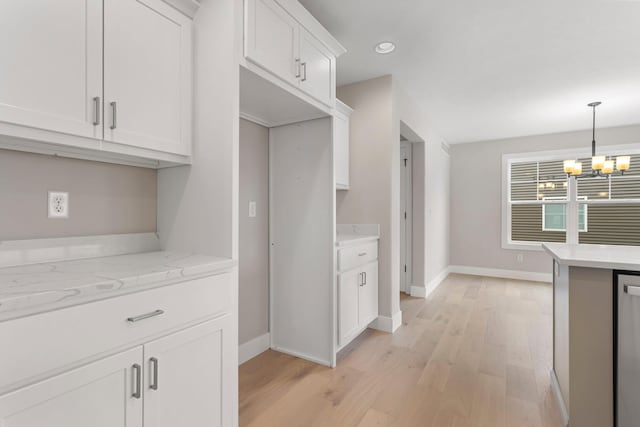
(58, 204)
(252, 209)
(520, 258)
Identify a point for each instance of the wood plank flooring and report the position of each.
(477, 352)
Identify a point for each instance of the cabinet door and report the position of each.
(188, 377)
(317, 69)
(341, 151)
(100, 394)
(368, 295)
(348, 284)
(147, 75)
(271, 39)
(52, 65)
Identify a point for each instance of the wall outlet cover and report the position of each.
(58, 204)
(520, 257)
(252, 209)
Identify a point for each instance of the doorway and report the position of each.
(406, 215)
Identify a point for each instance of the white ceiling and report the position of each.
(488, 69)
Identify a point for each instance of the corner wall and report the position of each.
(373, 145)
(476, 195)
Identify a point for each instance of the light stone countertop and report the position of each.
(595, 256)
(35, 288)
(355, 234)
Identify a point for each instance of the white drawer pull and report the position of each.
(632, 290)
(145, 316)
(362, 254)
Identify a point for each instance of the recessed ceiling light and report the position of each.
(385, 47)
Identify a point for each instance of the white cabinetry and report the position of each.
(147, 69)
(103, 80)
(277, 41)
(52, 65)
(271, 39)
(163, 357)
(357, 290)
(100, 394)
(341, 144)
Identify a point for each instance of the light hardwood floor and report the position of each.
(477, 352)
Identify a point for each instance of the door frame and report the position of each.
(406, 208)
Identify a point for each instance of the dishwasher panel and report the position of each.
(628, 357)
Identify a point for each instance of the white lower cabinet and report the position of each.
(100, 394)
(183, 380)
(183, 374)
(357, 292)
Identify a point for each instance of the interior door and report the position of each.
(406, 210)
(101, 394)
(147, 75)
(348, 284)
(188, 375)
(52, 65)
(271, 39)
(317, 64)
(368, 294)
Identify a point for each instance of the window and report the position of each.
(537, 201)
(554, 217)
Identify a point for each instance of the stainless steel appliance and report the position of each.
(628, 351)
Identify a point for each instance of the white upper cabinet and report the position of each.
(272, 39)
(102, 80)
(52, 65)
(284, 39)
(317, 69)
(147, 75)
(341, 142)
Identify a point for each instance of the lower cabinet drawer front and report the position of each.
(37, 345)
(354, 256)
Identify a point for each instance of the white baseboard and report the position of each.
(555, 387)
(425, 291)
(387, 324)
(252, 348)
(302, 356)
(504, 274)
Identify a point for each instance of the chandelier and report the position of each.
(600, 165)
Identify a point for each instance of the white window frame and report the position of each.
(586, 215)
(571, 202)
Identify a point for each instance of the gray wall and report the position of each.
(103, 198)
(476, 195)
(254, 232)
(373, 148)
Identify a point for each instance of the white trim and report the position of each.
(555, 387)
(254, 347)
(504, 274)
(253, 119)
(302, 356)
(508, 159)
(387, 324)
(425, 291)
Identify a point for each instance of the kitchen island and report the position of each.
(585, 328)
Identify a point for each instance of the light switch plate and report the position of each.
(58, 204)
(252, 209)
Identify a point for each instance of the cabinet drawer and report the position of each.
(354, 256)
(46, 343)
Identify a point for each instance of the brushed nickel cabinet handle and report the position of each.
(362, 254)
(96, 111)
(144, 316)
(153, 366)
(365, 277)
(304, 74)
(298, 68)
(632, 290)
(137, 377)
(114, 115)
